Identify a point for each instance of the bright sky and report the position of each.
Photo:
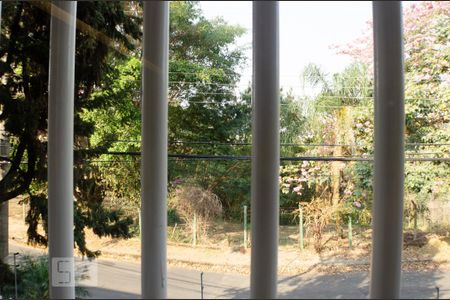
(307, 29)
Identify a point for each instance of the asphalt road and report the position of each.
(116, 280)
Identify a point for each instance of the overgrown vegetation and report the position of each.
(208, 116)
(196, 207)
(24, 53)
(32, 279)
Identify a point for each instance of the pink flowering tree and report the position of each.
(343, 114)
(427, 98)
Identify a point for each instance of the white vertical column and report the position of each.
(265, 150)
(60, 149)
(154, 149)
(387, 235)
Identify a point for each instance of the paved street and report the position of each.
(117, 280)
(122, 280)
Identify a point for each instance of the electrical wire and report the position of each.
(281, 144)
(248, 158)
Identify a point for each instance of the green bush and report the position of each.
(6, 279)
(32, 279)
(172, 217)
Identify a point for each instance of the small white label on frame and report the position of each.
(63, 274)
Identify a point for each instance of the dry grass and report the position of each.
(222, 249)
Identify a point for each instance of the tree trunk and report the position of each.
(336, 168)
(4, 230)
(340, 137)
(4, 216)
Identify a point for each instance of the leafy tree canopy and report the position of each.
(24, 96)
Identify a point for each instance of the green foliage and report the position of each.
(6, 279)
(428, 105)
(356, 210)
(172, 217)
(202, 107)
(292, 121)
(107, 31)
(427, 74)
(32, 280)
(301, 182)
(337, 115)
(345, 100)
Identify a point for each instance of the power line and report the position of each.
(249, 144)
(245, 103)
(219, 102)
(282, 144)
(233, 85)
(227, 93)
(248, 158)
(428, 144)
(422, 153)
(247, 85)
(232, 100)
(207, 83)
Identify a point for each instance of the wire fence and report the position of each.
(294, 229)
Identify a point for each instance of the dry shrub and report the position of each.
(190, 199)
(318, 214)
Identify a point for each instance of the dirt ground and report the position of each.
(223, 252)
